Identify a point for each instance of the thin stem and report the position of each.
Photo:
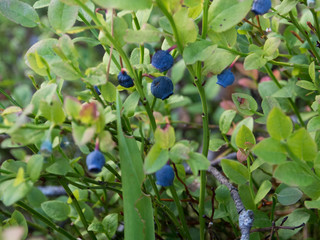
(126, 60)
(205, 19)
(77, 207)
(113, 171)
(181, 213)
(293, 105)
(45, 220)
(295, 23)
(10, 98)
(250, 176)
(316, 21)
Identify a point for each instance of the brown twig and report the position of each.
(267, 229)
(185, 186)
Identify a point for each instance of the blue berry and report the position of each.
(165, 176)
(46, 148)
(261, 7)
(226, 78)
(97, 90)
(95, 161)
(162, 60)
(124, 79)
(162, 87)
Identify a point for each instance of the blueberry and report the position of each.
(162, 60)
(97, 90)
(95, 161)
(162, 87)
(261, 7)
(165, 176)
(226, 78)
(46, 148)
(124, 79)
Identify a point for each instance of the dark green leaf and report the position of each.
(235, 171)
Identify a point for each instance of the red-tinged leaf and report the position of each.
(89, 113)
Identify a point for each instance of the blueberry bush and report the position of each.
(159, 119)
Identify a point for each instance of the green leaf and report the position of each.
(11, 193)
(64, 70)
(35, 197)
(44, 93)
(131, 103)
(43, 49)
(223, 15)
(218, 61)
(110, 224)
(198, 51)
(263, 191)
(302, 145)
(72, 107)
(248, 122)
(296, 218)
(278, 124)
(215, 143)
(155, 159)
(146, 34)
(268, 103)
(124, 4)
(271, 45)
(62, 16)
(165, 137)
(306, 85)
(245, 138)
(246, 197)
(222, 194)
(108, 92)
(41, 4)
(19, 12)
(289, 196)
(59, 167)
(187, 29)
(52, 111)
(245, 104)
(235, 171)
(82, 134)
(198, 162)
(312, 72)
(34, 167)
(254, 61)
(135, 56)
(226, 120)
(56, 210)
(315, 204)
(138, 212)
(314, 124)
(286, 6)
(291, 173)
(96, 227)
(120, 27)
(227, 38)
(179, 152)
(270, 150)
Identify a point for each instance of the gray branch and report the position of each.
(245, 216)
